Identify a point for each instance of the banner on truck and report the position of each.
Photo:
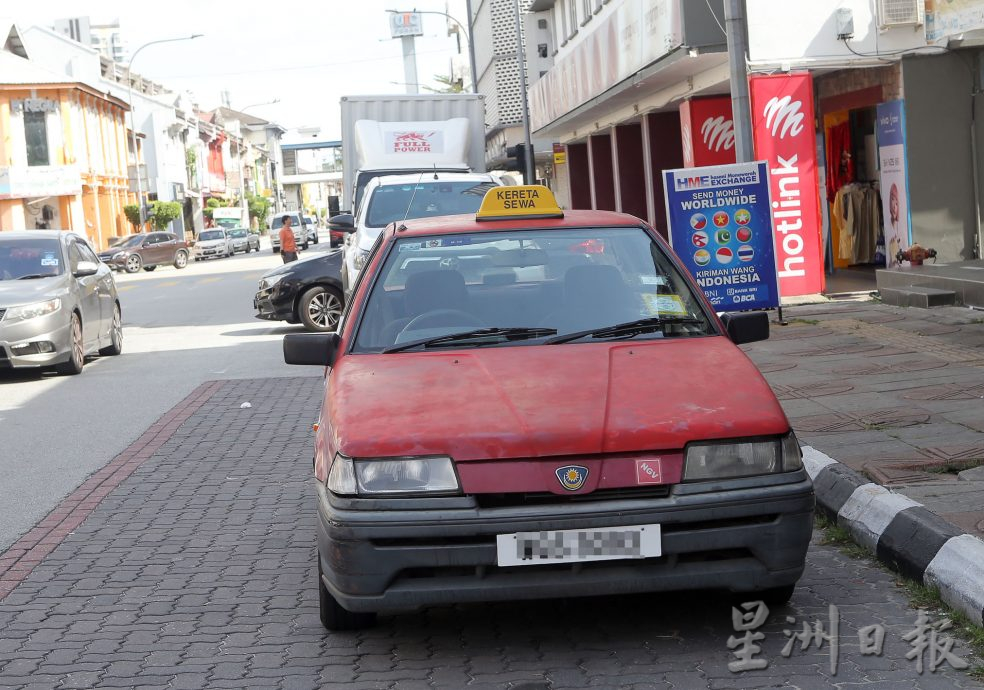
(721, 228)
(783, 130)
(890, 130)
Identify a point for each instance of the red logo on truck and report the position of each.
(412, 142)
(782, 124)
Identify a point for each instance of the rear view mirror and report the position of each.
(315, 349)
(343, 222)
(746, 327)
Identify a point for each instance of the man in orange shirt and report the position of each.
(288, 247)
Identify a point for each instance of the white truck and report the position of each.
(228, 217)
(398, 134)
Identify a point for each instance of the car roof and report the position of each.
(466, 223)
(36, 234)
(426, 177)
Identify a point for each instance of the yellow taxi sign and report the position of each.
(519, 201)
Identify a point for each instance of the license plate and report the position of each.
(573, 545)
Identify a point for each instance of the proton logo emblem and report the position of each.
(572, 477)
(782, 116)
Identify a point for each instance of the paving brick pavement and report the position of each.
(197, 571)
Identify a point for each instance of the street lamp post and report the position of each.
(471, 46)
(133, 119)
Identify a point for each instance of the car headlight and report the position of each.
(741, 459)
(32, 311)
(392, 476)
(361, 256)
(117, 255)
(269, 282)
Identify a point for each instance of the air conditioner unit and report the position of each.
(894, 13)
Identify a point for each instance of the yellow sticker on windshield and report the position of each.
(663, 304)
(519, 201)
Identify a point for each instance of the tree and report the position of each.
(449, 85)
(258, 208)
(132, 213)
(163, 212)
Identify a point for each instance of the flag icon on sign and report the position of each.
(700, 239)
(743, 216)
(722, 236)
(721, 219)
(702, 257)
(746, 252)
(698, 221)
(744, 234)
(725, 255)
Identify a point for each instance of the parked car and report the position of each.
(243, 240)
(300, 231)
(58, 302)
(404, 197)
(312, 229)
(307, 291)
(509, 416)
(147, 251)
(212, 244)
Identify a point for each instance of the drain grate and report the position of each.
(889, 418)
(807, 391)
(772, 367)
(873, 369)
(950, 391)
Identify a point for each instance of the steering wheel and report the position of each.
(442, 317)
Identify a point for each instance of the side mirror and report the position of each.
(746, 327)
(343, 222)
(86, 268)
(315, 349)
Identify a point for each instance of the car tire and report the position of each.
(249, 247)
(181, 259)
(149, 268)
(115, 334)
(320, 308)
(133, 263)
(304, 246)
(333, 616)
(275, 250)
(76, 359)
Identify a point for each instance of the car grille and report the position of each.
(547, 498)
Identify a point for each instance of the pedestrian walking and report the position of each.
(288, 247)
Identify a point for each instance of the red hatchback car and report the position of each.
(532, 403)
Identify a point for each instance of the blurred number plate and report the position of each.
(565, 546)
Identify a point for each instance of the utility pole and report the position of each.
(528, 172)
(409, 64)
(734, 21)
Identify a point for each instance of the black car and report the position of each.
(308, 291)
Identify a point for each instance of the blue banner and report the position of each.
(720, 221)
(893, 171)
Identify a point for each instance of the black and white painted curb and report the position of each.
(902, 533)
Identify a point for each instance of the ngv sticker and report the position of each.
(649, 471)
(572, 477)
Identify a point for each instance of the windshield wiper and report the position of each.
(480, 336)
(630, 328)
(32, 276)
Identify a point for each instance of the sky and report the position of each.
(307, 54)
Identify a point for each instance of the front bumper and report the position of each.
(51, 328)
(745, 535)
(210, 252)
(274, 305)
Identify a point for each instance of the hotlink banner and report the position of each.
(721, 228)
(890, 130)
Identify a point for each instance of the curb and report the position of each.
(902, 533)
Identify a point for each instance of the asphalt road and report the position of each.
(180, 328)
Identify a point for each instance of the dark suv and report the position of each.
(147, 251)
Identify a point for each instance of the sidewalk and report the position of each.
(896, 394)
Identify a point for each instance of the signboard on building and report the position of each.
(404, 24)
(559, 154)
(708, 131)
(890, 132)
(721, 228)
(783, 130)
(949, 18)
(28, 181)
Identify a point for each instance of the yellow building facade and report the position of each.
(63, 155)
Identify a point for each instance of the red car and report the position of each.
(535, 403)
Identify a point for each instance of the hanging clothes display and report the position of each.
(856, 215)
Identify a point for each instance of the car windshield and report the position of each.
(237, 233)
(227, 222)
(538, 284)
(278, 222)
(32, 258)
(207, 235)
(424, 199)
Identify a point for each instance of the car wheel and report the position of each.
(304, 246)
(320, 308)
(76, 358)
(181, 259)
(249, 248)
(333, 616)
(149, 268)
(133, 263)
(275, 250)
(115, 335)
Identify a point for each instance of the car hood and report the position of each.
(328, 263)
(14, 292)
(549, 400)
(111, 252)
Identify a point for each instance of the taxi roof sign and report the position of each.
(519, 201)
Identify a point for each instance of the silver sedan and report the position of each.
(58, 302)
(243, 240)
